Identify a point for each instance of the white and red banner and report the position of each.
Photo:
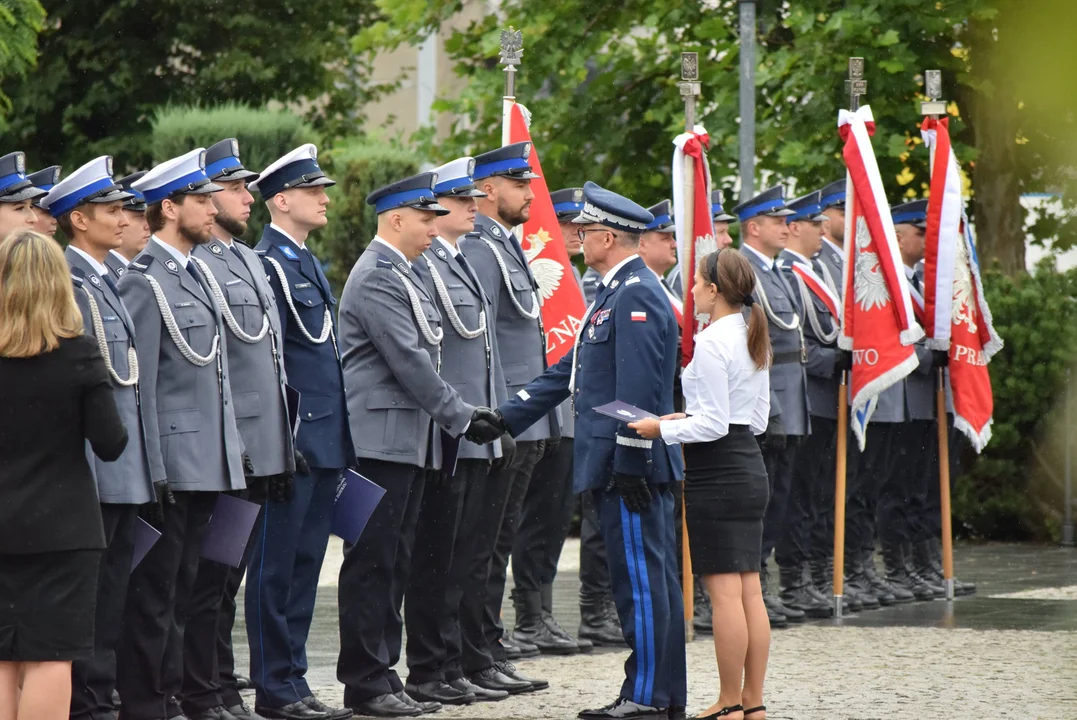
(878, 325)
(562, 301)
(695, 234)
(956, 316)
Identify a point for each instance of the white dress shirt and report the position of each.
(285, 233)
(449, 247)
(119, 257)
(608, 277)
(722, 386)
(180, 257)
(394, 250)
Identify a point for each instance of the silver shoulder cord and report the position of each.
(535, 308)
(222, 303)
(446, 302)
(829, 279)
(813, 318)
(327, 321)
(174, 332)
(102, 344)
(575, 353)
(794, 325)
(433, 337)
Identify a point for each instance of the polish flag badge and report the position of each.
(639, 317)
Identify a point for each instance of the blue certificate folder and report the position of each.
(229, 530)
(624, 412)
(356, 499)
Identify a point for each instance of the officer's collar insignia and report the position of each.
(95, 280)
(403, 267)
(632, 280)
(215, 249)
(171, 265)
(614, 284)
(288, 252)
(121, 270)
(441, 253)
(496, 231)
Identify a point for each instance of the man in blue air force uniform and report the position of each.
(626, 351)
(288, 554)
(125, 484)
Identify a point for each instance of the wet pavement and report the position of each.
(1008, 651)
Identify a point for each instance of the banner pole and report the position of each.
(690, 89)
(512, 48)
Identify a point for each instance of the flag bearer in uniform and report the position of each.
(287, 555)
(44, 180)
(626, 351)
(88, 206)
(136, 234)
(832, 253)
(193, 446)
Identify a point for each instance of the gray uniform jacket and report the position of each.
(788, 380)
(463, 359)
(117, 267)
(823, 381)
(191, 434)
(257, 369)
(390, 369)
(590, 282)
(126, 481)
(522, 341)
(833, 261)
(920, 383)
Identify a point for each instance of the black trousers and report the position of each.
(546, 515)
(149, 659)
(779, 464)
(208, 640)
(594, 573)
(425, 598)
(373, 577)
(811, 494)
(874, 465)
(519, 477)
(93, 680)
(910, 457)
(466, 647)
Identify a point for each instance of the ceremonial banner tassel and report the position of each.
(562, 301)
(956, 316)
(878, 325)
(695, 235)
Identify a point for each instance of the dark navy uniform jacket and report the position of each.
(313, 369)
(627, 351)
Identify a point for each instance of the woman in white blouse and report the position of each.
(727, 396)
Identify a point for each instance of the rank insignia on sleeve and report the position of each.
(632, 280)
(639, 316)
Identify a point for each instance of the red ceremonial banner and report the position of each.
(559, 293)
(702, 242)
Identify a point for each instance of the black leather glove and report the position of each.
(164, 497)
(551, 446)
(940, 358)
(486, 426)
(508, 454)
(280, 488)
(634, 491)
(301, 466)
(774, 438)
(843, 361)
(248, 466)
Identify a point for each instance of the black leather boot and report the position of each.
(546, 592)
(530, 627)
(908, 551)
(898, 575)
(856, 582)
(961, 587)
(702, 613)
(920, 565)
(778, 613)
(599, 624)
(850, 602)
(880, 586)
(795, 594)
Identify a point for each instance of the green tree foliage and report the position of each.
(20, 22)
(107, 66)
(601, 79)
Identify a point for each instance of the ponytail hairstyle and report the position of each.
(732, 274)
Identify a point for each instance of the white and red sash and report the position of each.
(675, 302)
(818, 288)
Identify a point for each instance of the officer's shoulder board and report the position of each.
(76, 280)
(384, 262)
(141, 263)
(288, 252)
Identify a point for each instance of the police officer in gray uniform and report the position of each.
(193, 446)
(239, 287)
(124, 484)
(136, 234)
(498, 258)
(763, 235)
(832, 254)
(458, 518)
(390, 340)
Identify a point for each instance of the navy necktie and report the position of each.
(193, 271)
(916, 282)
(111, 285)
(462, 262)
(235, 251)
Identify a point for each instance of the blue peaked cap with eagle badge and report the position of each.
(91, 183)
(510, 161)
(415, 192)
(14, 185)
(912, 213)
(223, 163)
(606, 207)
(567, 202)
(297, 169)
(663, 218)
(770, 202)
(833, 195)
(44, 179)
(807, 208)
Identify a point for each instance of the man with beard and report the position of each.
(191, 438)
(288, 553)
(499, 261)
(239, 287)
(137, 231)
(44, 180)
(88, 207)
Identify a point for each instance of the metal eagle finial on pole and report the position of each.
(512, 48)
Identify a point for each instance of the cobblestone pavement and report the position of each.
(1009, 651)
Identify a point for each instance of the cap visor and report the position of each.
(27, 193)
(517, 175)
(112, 196)
(666, 229)
(237, 174)
(723, 217)
(316, 182)
(585, 218)
(203, 189)
(780, 212)
(819, 218)
(840, 205)
(472, 191)
(439, 210)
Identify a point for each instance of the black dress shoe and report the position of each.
(215, 713)
(387, 705)
(622, 709)
(294, 711)
(243, 683)
(334, 713)
(509, 670)
(244, 712)
(424, 706)
(439, 691)
(493, 679)
(481, 694)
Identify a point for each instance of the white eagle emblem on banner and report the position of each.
(705, 245)
(961, 310)
(547, 272)
(870, 286)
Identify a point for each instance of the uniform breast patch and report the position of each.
(183, 305)
(302, 286)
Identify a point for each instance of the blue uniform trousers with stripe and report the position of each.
(282, 584)
(641, 550)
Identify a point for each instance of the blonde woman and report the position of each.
(56, 397)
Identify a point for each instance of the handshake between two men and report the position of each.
(486, 426)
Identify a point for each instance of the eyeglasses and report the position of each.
(582, 233)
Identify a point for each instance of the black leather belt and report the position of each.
(786, 358)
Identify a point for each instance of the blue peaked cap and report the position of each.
(415, 192)
(612, 210)
(833, 195)
(223, 163)
(717, 213)
(770, 202)
(14, 185)
(913, 213)
(509, 161)
(807, 207)
(567, 202)
(663, 218)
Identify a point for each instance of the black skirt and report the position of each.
(725, 496)
(47, 603)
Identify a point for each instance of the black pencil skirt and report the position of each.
(47, 603)
(725, 495)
